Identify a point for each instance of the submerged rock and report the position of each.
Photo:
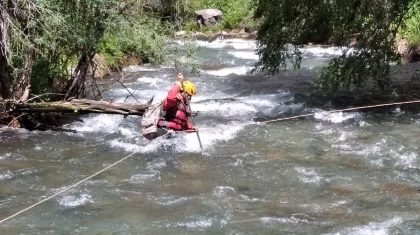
(410, 53)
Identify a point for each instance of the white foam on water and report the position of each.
(208, 44)
(129, 147)
(407, 160)
(239, 70)
(38, 147)
(172, 200)
(200, 224)
(247, 55)
(161, 143)
(313, 208)
(72, 201)
(221, 191)
(337, 117)
(155, 165)
(238, 44)
(373, 228)
(344, 136)
(375, 149)
(326, 130)
(324, 51)
(146, 176)
(149, 81)
(137, 68)
(250, 199)
(128, 132)
(210, 137)
(338, 203)
(102, 123)
(4, 156)
(364, 124)
(257, 101)
(229, 110)
(308, 175)
(275, 220)
(244, 108)
(6, 175)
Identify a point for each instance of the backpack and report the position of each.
(150, 119)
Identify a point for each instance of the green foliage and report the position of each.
(144, 39)
(53, 38)
(191, 25)
(251, 24)
(371, 24)
(72, 29)
(45, 75)
(356, 67)
(110, 48)
(411, 26)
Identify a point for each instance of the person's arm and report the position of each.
(171, 99)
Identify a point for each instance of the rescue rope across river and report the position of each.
(341, 110)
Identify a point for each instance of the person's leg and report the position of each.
(170, 125)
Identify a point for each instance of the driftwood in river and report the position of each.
(80, 106)
(50, 115)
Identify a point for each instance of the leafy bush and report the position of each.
(46, 73)
(144, 39)
(411, 27)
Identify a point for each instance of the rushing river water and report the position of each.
(334, 173)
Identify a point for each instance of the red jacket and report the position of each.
(177, 113)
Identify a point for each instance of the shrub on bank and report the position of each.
(411, 26)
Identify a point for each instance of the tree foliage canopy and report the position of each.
(370, 26)
(45, 42)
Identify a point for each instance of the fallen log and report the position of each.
(52, 115)
(75, 106)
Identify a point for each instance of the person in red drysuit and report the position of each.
(176, 106)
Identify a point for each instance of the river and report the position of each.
(333, 173)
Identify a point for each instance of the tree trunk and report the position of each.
(74, 106)
(4, 78)
(53, 115)
(21, 87)
(4, 48)
(76, 85)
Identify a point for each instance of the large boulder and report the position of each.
(208, 17)
(409, 53)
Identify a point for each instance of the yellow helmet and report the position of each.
(189, 87)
